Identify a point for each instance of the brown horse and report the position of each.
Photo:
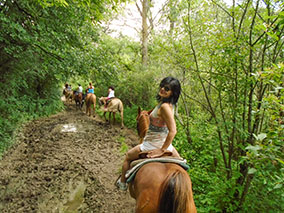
(90, 100)
(114, 105)
(143, 122)
(161, 187)
(78, 98)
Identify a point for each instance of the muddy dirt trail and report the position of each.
(65, 163)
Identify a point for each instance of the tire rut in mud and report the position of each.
(65, 163)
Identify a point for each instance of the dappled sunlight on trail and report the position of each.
(69, 128)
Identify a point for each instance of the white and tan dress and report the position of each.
(156, 134)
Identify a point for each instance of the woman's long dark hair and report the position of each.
(175, 87)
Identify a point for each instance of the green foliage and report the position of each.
(130, 114)
(226, 89)
(124, 148)
(43, 43)
(227, 59)
(133, 85)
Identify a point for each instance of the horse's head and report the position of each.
(142, 113)
(143, 122)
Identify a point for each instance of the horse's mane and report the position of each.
(142, 123)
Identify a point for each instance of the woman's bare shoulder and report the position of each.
(166, 107)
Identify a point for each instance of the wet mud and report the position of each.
(66, 163)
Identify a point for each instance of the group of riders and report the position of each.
(89, 89)
(156, 143)
(162, 127)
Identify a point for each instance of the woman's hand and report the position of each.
(155, 153)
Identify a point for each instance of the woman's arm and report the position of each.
(166, 112)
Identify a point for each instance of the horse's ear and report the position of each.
(139, 110)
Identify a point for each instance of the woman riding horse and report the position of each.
(67, 92)
(78, 97)
(159, 187)
(162, 129)
(90, 99)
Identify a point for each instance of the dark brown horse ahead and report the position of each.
(161, 187)
(78, 97)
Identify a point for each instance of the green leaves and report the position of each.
(260, 137)
(252, 171)
(51, 3)
(43, 43)
(253, 148)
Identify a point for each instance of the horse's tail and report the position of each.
(176, 195)
(120, 106)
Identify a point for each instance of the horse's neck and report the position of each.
(143, 124)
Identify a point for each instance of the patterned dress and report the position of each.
(156, 134)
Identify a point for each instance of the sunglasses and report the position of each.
(166, 88)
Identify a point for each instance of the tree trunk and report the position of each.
(144, 33)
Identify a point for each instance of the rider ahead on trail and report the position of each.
(90, 88)
(162, 129)
(80, 88)
(110, 95)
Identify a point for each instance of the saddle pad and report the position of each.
(130, 174)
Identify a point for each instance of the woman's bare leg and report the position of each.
(131, 155)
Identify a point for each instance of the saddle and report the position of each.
(143, 155)
(109, 100)
(166, 158)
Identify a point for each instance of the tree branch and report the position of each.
(222, 8)
(49, 53)
(204, 90)
(139, 10)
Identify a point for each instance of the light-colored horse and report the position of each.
(68, 95)
(115, 105)
(90, 101)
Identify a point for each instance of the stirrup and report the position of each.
(120, 185)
